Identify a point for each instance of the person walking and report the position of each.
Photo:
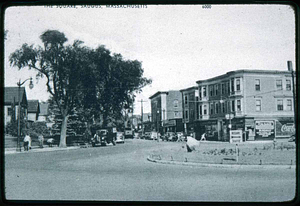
(27, 142)
(203, 137)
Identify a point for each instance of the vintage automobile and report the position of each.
(103, 137)
(120, 137)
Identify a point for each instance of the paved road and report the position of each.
(122, 173)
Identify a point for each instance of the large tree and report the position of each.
(91, 80)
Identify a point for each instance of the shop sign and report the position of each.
(265, 129)
(236, 136)
(285, 128)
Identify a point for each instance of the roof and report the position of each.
(33, 106)
(44, 109)
(11, 94)
(188, 89)
(156, 94)
(247, 71)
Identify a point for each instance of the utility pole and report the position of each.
(142, 114)
(290, 68)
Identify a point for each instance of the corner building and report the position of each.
(258, 102)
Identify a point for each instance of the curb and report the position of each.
(40, 150)
(237, 166)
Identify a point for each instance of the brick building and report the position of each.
(166, 110)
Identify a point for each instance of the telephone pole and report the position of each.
(142, 114)
(290, 68)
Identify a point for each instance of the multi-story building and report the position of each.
(190, 97)
(166, 110)
(258, 102)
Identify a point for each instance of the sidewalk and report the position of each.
(38, 149)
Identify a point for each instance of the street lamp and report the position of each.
(19, 112)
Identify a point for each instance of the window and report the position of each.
(238, 105)
(176, 114)
(217, 108)
(289, 104)
(232, 106)
(204, 91)
(223, 89)
(211, 108)
(232, 85)
(186, 115)
(204, 110)
(279, 105)
(228, 106)
(257, 84)
(175, 103)
(217, 89)
(185, 99)
(258, 105)
(200, 110)
(9, 111)
(228, 88)
(279, 84)
(197, 99)
(223, 107)
(211, 90)
(238, 85)
(288, 85)
(200, 92)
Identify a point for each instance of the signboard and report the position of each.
(264, 129)
(236, 136)
(285, 128)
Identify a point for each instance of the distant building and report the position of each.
(44, 112)
(166, 110)
(33, 110)
(258, 102)
(11, 98)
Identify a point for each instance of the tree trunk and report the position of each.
(63, 131)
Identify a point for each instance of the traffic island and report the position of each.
(262, 155)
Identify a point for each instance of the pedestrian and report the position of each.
(203, 137)
(41, 140)
(27, 142)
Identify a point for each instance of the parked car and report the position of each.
(103, 137)
(171, 136)
(154, 135)
(120, 137)
(147, 135)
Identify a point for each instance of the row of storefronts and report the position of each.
(252, 128)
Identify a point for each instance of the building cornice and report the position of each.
(243, 71)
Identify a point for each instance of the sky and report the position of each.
(177, 44)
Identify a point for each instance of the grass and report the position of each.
(283, 153)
